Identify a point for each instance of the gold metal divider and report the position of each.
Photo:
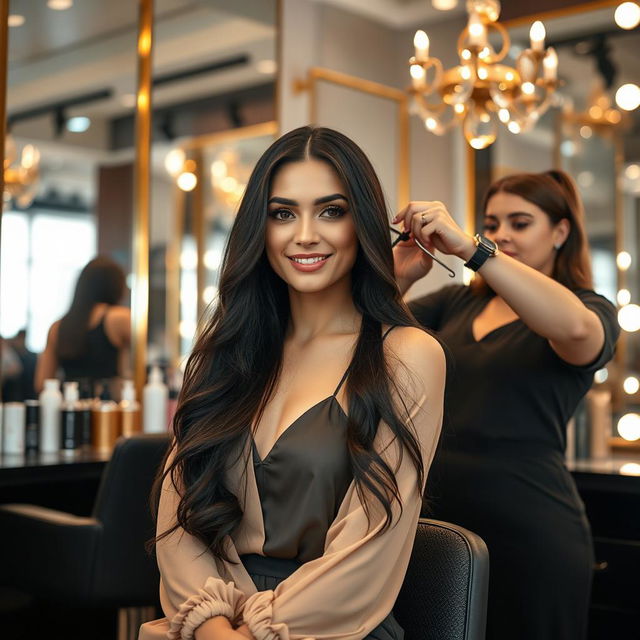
(141, 196)
(317, 74)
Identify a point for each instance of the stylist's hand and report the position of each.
(432, 225)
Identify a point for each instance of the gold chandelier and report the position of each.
(20, 178)
(480, 92)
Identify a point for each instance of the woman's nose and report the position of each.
(306, 232)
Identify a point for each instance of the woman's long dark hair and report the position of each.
(557, 195)
(236, 361)
(101, 280)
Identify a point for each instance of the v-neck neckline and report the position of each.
(260, 460)
(494, 330)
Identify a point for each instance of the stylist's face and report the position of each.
(311, 240)
(524, 231)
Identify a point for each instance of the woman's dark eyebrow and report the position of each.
(509, 215)
(294, 203)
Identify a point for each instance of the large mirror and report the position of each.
(71, 100)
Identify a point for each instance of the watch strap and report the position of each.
(482, 253)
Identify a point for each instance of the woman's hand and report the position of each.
(410, 263)
(218, 628)
(433, 226)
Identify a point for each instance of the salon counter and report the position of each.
(54, 480)
(610, 489)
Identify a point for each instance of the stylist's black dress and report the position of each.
(500, 471)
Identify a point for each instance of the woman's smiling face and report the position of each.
(311, 239)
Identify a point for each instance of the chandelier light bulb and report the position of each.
(632, 172)
(477, 31)
(550, 65)
(444, 5)
(629, 317)
(418, 75)
(537, 34)
(628, 97)
(421, 44)
(459, 108)
(627, 15)
(504, 115)
(514, 127)
(528, 88)
(483, 74)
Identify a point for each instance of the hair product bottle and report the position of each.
(105, 423)
(86, 403)
(130, 417)
(14, 423)
(32, 426)
(155, 397)
(71, 419)
(50, 403)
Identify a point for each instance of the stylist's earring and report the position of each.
(558, 246)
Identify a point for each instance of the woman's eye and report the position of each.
(520, 226)
(490, 227)
(281, 214)
(333, 212)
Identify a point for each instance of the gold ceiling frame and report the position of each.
(194, 148)
(321, 74)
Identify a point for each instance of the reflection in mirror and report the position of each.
(214, 112)
(71, 75)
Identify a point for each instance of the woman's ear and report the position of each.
(561, 232)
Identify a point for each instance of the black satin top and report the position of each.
(303, 480)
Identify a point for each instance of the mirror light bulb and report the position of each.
(629, 317)
(629, 426)
(628, 97)
(627, 15)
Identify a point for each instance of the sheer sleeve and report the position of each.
(353, 586)
(193, 585)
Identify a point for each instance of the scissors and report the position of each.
(403, 236)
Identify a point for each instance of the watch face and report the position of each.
(488, 244)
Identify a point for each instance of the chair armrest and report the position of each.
(48, 553)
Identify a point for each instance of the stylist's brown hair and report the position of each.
(556, 194)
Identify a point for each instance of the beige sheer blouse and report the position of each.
(342, 594)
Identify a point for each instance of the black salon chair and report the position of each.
(97, 562)
(444, 594)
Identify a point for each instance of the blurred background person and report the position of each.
(91, 342)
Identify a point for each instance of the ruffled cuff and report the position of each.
(258, 616)
(216, 598)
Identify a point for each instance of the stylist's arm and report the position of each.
(548, 308)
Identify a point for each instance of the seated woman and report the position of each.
(91, 341)
(292, 489)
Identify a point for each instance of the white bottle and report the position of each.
(14, 428)
(50, 411)
(155, 396)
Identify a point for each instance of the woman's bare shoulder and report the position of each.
(418, 351)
